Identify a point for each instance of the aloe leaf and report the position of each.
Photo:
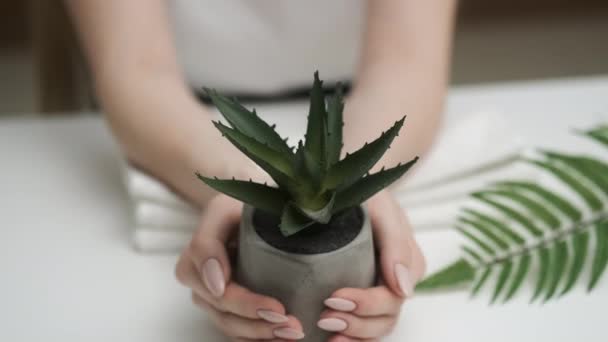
(518, 278)
(270, 160)
(533, 207)
(248, 123)
(456, 274)
(480, 281)
(587, 195)
(550, 197)
(503, 276)
(335, 108)
(544, 263)
(369, 185)
(511, 213)
(258, 195)
(496, 224)
(557, 269)
(600, 258)
(486, 231)
(355, 165)
(316, 128)
(292, 221)
(580, 243)
(322, 215)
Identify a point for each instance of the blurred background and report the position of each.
(41, 70)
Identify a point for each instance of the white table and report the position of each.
(68, 272)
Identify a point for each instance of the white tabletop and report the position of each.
(68, 272)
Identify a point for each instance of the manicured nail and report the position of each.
(288, 333)
(340, 304)
(332, 324)
(405, 280)
(213, 277)
(272, 317)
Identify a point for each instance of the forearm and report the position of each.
(403, 71)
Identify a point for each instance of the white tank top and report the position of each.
(266, 46)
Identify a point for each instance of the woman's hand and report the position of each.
(368, 314)
(204, 266)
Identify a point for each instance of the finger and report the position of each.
(353, 326)
(243, 328)
(208, 246)
(375, 301)
(392, 234)
(236, 299)
(342, 338)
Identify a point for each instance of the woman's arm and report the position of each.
(150, 109)
(403, 71)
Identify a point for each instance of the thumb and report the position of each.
(208, 246)
(395, 243)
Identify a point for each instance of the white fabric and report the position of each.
(442, 182)
(266, 46)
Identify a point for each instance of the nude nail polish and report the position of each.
(332, 324)
(340, 304)
(405, 280)
(272, 317)
(288, 333)
(213, 277)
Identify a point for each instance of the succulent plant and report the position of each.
(313, 182)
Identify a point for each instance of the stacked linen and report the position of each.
(471, 151)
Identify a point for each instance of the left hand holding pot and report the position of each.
(204, 267)
(368, 314)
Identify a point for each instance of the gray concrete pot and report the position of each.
(302, 281)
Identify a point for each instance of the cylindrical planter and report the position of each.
(303, 281)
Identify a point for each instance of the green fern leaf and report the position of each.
(600, 259)
(544, 264)
(537, 210)
(348, 170)
(480, 243)
(518, 278)
(503, 276)
(496, 224)
(599, 134)
(480, 281)
(550, 197)
(486, 231)
(580, 241)
(558, 267)
(472, 254)
(511, 213)
(583, 191)
(592, 170)
(458, 273)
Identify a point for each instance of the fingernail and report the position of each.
(272, 317)
(332, 324)
(340, 304)
(213, 277)
(288, 333)
(405, 280)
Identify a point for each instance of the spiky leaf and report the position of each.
(247, 122)
(356, 165)
(335, 108)
(368, 186)
(293, 221)
(258, 195)
(322, 215)
(316, 128)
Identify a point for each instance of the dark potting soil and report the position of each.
(318, 238)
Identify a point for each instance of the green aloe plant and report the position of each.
(313, 182)
(532, 227)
